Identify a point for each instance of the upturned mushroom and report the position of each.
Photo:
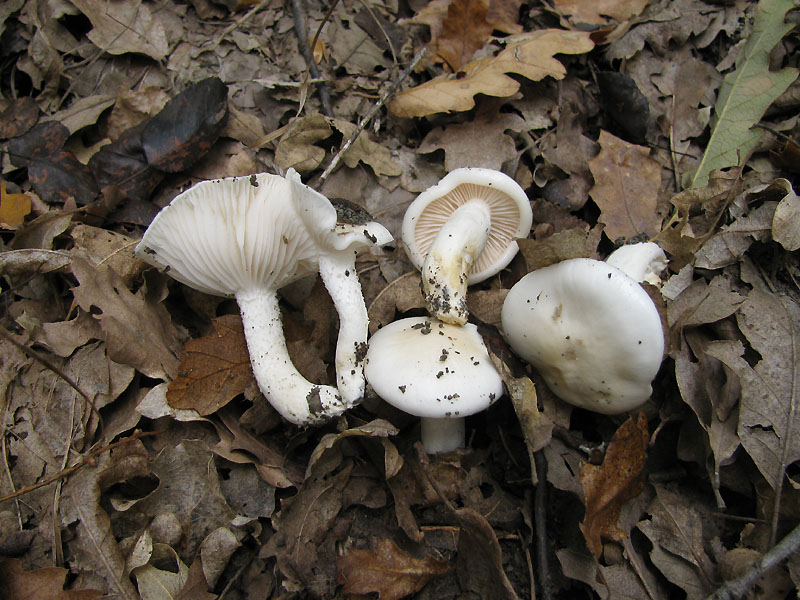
(436, 371)
(462, 231)
(246, 237)
(592, 332)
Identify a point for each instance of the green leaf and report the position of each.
(746, 93)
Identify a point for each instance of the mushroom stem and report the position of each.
(292, 395)
(445, 272)
(643, 262)
(338, 272)
(442, 435)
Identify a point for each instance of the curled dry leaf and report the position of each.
(214, 369)
(387, 570)
(13, 208)
(40, 584)
(609, 486)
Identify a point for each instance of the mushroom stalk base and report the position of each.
(442, 435)
(338, 272)
(292, 395)
(445, 272)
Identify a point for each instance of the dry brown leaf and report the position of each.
(626, 184)
(578, 242)
(13, 208)
(402, 294)
(465, 29)
(769, 419)
(41, 584)
(137, 329)
(460, 149)
(599, 12)
(676, 532)
(609, 486)
(387, 570)
(786, 220)
(479, 562)
(214, 369)
(529, 55)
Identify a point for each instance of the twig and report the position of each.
(238, 22)
(738, 588)
(540, 524)
(86, 460)
(44, 361)
(390, 91)
(311, 67)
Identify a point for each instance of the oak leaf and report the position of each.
(214, 369)
(600, 12)
(387, 570)
(626, 184)
(607, 487)
(529, 55)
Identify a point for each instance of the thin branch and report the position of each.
(390, 91)
(88, 459)
(540, 524)
(299, 11)
(738, 588)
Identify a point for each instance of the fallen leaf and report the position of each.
(460, 149)
(479, 559)
(18, 117)
(46, 583)
(214, 369)
(387, 570)
(768, 412)
(675, 529)
(746, 93)
(464, 31)
(529, 55)
(138, 330)
(600, 12)
(608, 487)
(731, 242)
(13, 208)
(125, 26)
(626, 184)
(786, 220)
(578, 242)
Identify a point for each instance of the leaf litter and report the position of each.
(140, 460)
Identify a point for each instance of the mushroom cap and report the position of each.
(591, 331)
(643, 262)
(229, 235)
(511, 216)
(431, 369)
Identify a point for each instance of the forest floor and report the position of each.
(138, 459)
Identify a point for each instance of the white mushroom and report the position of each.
(246, 237)
(436, 371)
(591, 331)
(643, 262)
(462, 231)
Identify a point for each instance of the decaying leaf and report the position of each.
(214, 370)
(747, 92)
(529, 55)
(626, 184)
(570, 243)
(387, 570)
(609, 486)
(786, 219)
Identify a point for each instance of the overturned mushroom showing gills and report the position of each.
(591, 331)
(436, 371)
(462, 231)
(246, 237)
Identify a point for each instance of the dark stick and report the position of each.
(540, 523)
(302, 39)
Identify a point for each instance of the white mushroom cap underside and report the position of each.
(228, 235)
(591, 331)
(510, 213)
(430, 369)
